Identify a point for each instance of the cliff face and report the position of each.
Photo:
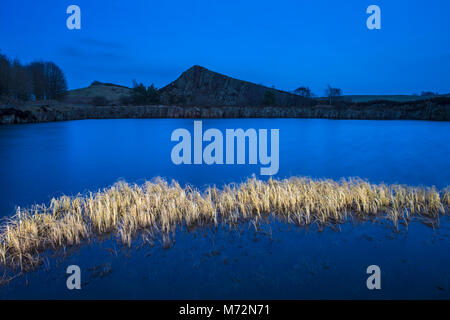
(414, 111)
(199, 86)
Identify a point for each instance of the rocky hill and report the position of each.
(201, 87)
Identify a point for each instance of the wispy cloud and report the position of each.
(91, 54)
(98, 43)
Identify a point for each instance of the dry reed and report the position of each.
(158, 208)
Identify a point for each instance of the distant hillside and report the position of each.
(199, 86)
(395, 98)
(201, 93)
(109, 91)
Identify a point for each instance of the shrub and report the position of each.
(144, 96)
(303, 91)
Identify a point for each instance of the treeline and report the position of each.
(142, 95)
(39, 80)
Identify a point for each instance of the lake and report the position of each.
(40, 161)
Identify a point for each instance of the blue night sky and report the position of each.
(280, 43)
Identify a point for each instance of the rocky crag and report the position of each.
(201, 87)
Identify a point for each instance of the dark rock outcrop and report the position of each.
(199, 86)
(12, 116)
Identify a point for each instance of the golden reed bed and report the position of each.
(157, 208)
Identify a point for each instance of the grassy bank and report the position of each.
(156, 209)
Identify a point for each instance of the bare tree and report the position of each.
(331, 92)
(5, 74)
(55, 81)
(37, 74)
(43, 80)
(48, 80)
(20, 82)
(303, 91)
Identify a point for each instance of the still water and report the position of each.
(40, 161)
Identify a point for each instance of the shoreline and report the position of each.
(425, 110)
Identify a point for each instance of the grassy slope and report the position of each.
(396, 98)
(85, 95)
